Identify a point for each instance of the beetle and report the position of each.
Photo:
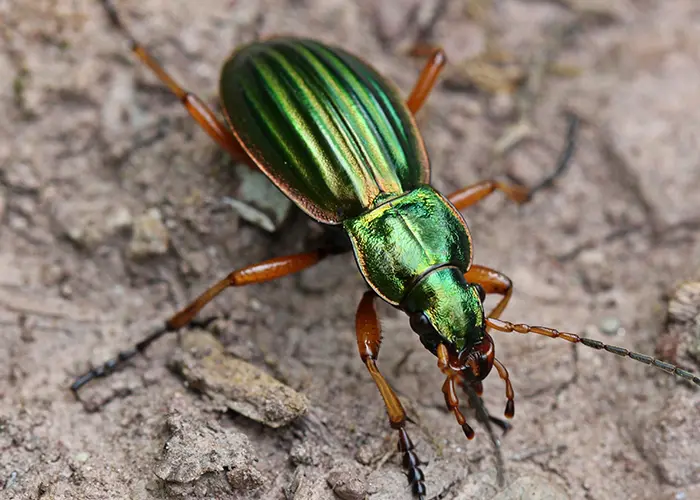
(337, 139)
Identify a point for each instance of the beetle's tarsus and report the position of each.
(564, 160)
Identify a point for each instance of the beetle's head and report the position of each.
(444, 309)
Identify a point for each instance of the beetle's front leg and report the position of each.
(492, 281)
(368, 342)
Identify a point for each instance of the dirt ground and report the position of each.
(111, 218)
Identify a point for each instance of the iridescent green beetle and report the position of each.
(337, 139)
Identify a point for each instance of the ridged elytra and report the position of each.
(338, 139)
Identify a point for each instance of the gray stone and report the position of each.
(196, 448)
(235, 384)
(348, 481)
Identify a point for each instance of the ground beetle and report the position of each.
(337, 139)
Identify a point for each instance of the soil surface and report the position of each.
(112, 216)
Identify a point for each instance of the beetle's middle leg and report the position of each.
(471, 195)
(491, 281)
(368, 342)
(256, 273)
(204, 116)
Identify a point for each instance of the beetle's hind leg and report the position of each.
(368, 342)
(201, 113)
(256, 273)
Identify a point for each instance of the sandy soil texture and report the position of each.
(112, 216)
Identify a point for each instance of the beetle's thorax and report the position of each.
(413, 250)
(402, 238)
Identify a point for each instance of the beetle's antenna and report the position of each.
(506, 326)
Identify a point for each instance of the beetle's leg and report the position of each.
(450, 391)
(491, 281)
(204, 116)
(428, 76)
(368, 342)
(473, 194)
(565, 155)
(510, 394)
(256, 273)
(470, 195)
(475, 390)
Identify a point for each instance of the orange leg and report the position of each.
(470, 195)
(510, 394)
(257, 273)
(491, 281)
(368, 342)
(428, 77)
(450, 391)
(204, 116)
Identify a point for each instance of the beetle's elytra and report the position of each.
(339, 140)
(328, 130)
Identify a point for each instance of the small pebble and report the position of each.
(365, 454)
(348, 482)
(302, 454)
(11, 480)
(258, 201)
(118, 220)
(150, 236)
(610, 325)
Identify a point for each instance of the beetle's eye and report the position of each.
(480, 290)
(421, 324)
